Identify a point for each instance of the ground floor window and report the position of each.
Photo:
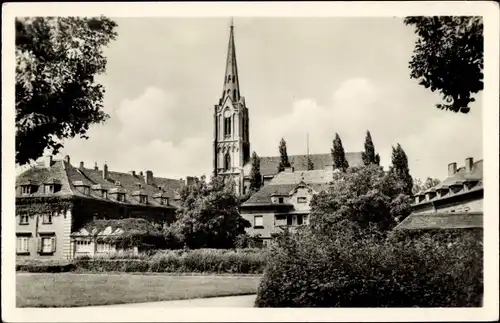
(83, 246)
(47, 244)
(258, 221)
(22, 245)
(103, 247)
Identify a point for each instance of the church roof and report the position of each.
(451, 220)
(269, 165)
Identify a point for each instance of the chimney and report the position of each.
(105, 171)
(95, 166)
(149, 177)
(141, 174)
(289, 170)
(47, 161)
(452, 169)
(66, 159)
(81, 166)
(469, 163)
(132, 172)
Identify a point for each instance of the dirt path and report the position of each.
(226, 301)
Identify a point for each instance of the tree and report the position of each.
(57, 97)
(284, 163)
(448, 57)
(208, 214)
(399, 169)
(360, 198)
(418, 186)
(338, 154)
(255, 176)
(310, 164)
(369, 156)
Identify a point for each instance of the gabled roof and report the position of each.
(269, 165)
(69, 177)
(458, 220)
(284, 183)
(117, 227)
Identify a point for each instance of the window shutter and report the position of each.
(53, 243)
(39, 244)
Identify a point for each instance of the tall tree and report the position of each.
(400, 169)
(338, 154)
(448, 57)
(208, 214)
(284, 163)
(419, 186)
(310, 164)
(57, 97)
(369, 156)
(255, 176)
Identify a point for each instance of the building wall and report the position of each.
(468, 205)
(268, 221)
(36, 229)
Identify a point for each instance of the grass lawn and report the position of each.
(70, 290)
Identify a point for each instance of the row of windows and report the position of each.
(47, 189)
(46, 218)
(282, 219)
(46, 244)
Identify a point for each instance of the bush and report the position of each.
(218, 261)
(45, 267)
(435, 269)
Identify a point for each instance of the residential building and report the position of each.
(284, 201)
(55, 200)
(231, 151)
(456, 202)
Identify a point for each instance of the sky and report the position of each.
(319, 76)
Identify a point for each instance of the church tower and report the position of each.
(231, 134)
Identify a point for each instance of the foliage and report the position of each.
(399, 169)
(338, 154)
(448, 57)
(255, 176)
(208, 214)
(57, 97)
(248, 241)
(284, 162)
(343, 270)
(418, 186)
(247, 261)
(369, 156)
(310, 164)
(43, 205)
(359, 199)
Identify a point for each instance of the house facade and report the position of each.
(284, 202)
(55, 201)
(456, 202)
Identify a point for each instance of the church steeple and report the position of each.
(231, 86)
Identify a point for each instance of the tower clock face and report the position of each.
(227, 113)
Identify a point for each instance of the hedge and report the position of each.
(427, 270)
(167, 261)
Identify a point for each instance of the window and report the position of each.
(227, 161)
(105, 194)
(300, 219)
(280, 200)
(143, 199)
(47, 218)
(25, 189)
(120, 197)
(47, 244)
(227, 126)
(301, 199)
(280, 219)
(289, 220)
(234, 78)
(234, 95)
(103, 247)
(49, 189)
(23, 219)
(83, 246)
(258, 221)
(22, 245)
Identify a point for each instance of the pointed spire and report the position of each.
(231, 86)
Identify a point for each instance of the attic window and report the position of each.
(104, 194)
(143, 199)
(301, 199)
(164, 201)
(280, 200)
(49, 188)
(120, 197)
(26, 189)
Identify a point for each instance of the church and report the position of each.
(231, 154)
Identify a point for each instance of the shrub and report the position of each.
(435, 269)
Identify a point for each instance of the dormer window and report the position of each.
(26, 189)
(82, 187)
(280, 200)
(104, 194)
(143, 199)
(120, 197)
(301, 199)
(48, 188)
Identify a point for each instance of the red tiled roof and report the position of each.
(69, 176)
(458, 220)
(269, 165)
